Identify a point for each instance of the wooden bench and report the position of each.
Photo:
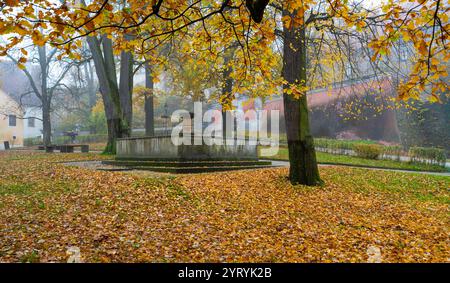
(49, 148)
(71, 147)
(65, 147)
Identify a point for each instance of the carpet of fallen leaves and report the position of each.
(47, 208)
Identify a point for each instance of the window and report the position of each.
(31, 122)
(12, 120)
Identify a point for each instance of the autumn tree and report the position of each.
(80, 94)
(298, 16)
(303, 165)
(116, 95)
(258, 26)
(47, 84)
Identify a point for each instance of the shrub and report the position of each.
(338, 146)
(334, 146)
(392, 150)
(430, 155)
(369, 151)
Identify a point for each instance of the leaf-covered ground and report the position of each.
(47, 207)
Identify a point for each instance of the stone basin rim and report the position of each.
(170, 136)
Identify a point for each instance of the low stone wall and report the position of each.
(162, 148)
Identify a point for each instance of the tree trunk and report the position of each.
(46, 124)
(149, 115)
(114, 132)
(302, 157)
(126, 90)
(118, 126)
(45, 97)
(89, 74)
(227, 90)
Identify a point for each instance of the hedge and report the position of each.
(338, 146)
(369, 151)
(429, 155)
(392, 150)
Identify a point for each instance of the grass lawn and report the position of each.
(328, 158)
(257, 216)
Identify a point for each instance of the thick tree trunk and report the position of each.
(126, 90)
(118, 125)
(148, 107)
(302, 157)
(114, 132)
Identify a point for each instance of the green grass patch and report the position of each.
(177, 191)
(31, 257)
(399, 186)
(16, 189)
(328, 158)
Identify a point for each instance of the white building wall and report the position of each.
(28, 130)
(10, 133)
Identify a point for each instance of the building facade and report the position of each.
(32, 126)
(11, 122)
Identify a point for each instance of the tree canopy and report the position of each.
(212, 26)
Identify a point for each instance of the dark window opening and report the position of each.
(31, 122)
(12, 120)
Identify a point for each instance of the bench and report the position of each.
(71, 147)
(49, 148)
(65, 147)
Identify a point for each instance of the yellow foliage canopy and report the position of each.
(208, 28)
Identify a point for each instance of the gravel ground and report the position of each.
(97, 165)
